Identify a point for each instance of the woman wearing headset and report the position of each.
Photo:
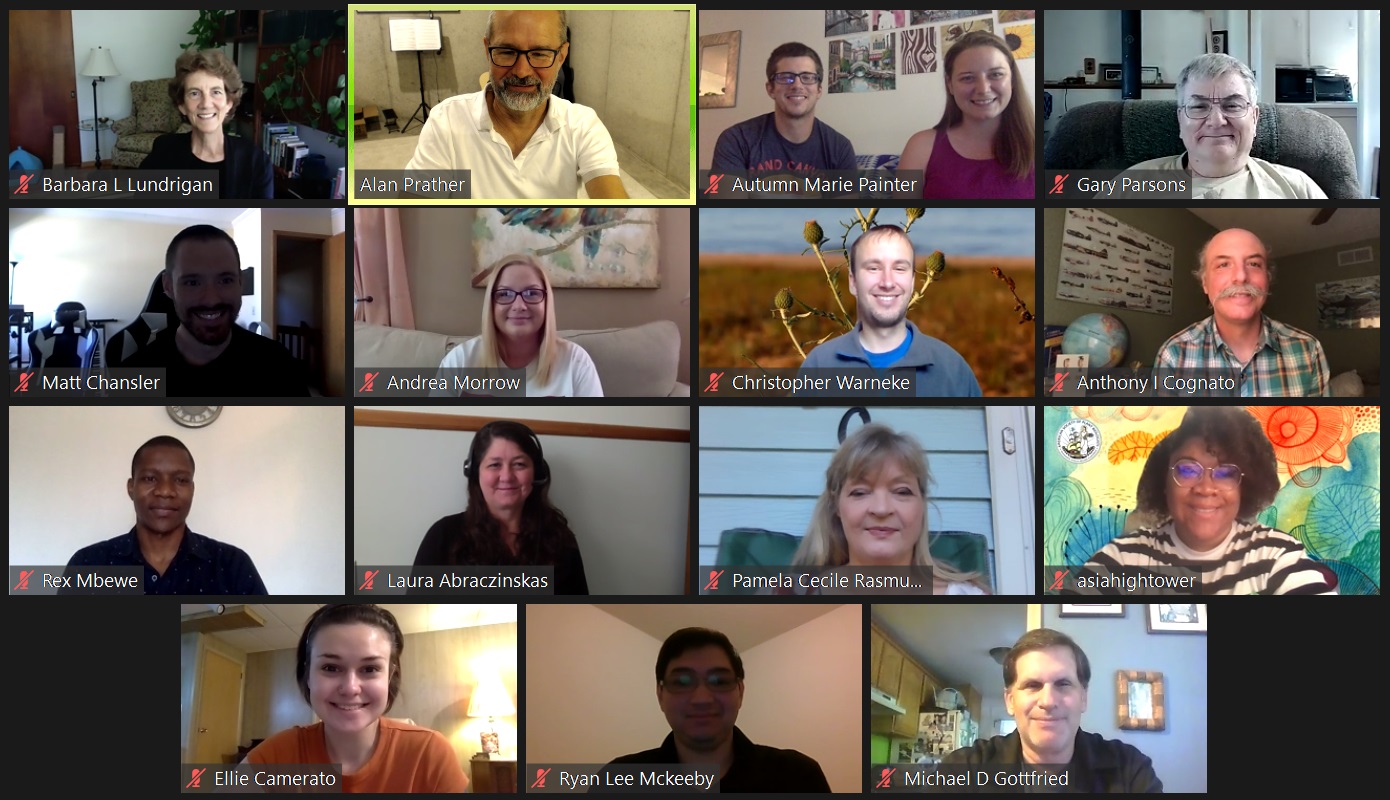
(509, 519)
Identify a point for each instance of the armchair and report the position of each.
(1117, 134)
(152, 115)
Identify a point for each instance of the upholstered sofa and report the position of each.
(152, 114)
(632, 362)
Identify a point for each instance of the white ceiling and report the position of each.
(953, 641)
(186, 216)
(284, 622)
(746, 630)
(1288, 231)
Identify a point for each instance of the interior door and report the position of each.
(335, 268)
(43, 84)
(219, 706)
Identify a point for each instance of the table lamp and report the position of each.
(99, 68)
(490, 700)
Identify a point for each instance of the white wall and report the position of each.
(269, 480)
(876, 122)
(591, 688)
(143, 45)
(627, 501)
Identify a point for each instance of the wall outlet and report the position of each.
(1089, 68)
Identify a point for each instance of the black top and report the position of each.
(201, 566)
(1098, 765)
(756, 767)
(251, 366)
(434, 551)
(244, 171)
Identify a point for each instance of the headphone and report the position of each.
(517, 429)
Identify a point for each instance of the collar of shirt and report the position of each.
(1267, 337)
(554, 116)
(919, 354)
(128, 546)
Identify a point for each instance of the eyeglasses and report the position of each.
(1187, 472)
(1231, 108)
(506, 57)
(505, 297)
(788, 78)
(685, 681)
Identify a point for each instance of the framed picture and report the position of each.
(1092, 610)
(1141, 702)
(1218, 41)
(1177, 618)
(1110, 73)
(581, 248)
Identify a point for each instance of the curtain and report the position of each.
(379, 272)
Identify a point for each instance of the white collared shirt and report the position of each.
(569, 149)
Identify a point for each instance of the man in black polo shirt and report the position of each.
(1046, 675)
(699, 684)
(176, 560)
(207, 354)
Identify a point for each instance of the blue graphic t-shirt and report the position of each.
(755, 146)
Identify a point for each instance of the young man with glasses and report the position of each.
(520, 141)
(790, 139)
(699, 684)
(1218, 112)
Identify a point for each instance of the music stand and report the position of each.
(418, 35)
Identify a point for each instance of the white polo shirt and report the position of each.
(569, 149)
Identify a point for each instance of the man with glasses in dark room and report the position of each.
(1218, 112)
(790, 139)
(699, 684)
(520, 141)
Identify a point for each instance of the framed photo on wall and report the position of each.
(1092, 610)
(1177, 618)
(1142, 705)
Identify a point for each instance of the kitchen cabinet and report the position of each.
(875, 656)
(890, 671)
(909, 697)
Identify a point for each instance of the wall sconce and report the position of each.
(490, 699)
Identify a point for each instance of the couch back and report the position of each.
(632, 362)
(1117, 134)
(154, 112)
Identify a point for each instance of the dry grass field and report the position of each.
(966, 307)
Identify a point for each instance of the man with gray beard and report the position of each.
(519, 141)
(1265, 357)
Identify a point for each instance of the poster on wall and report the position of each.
(919, 51)
(925, 17)
(580, 248)
(888, 20)
(840, 22)
(1019, 38)
(954, 31)
(1108, 263)
(1349, 303)
(863, 63)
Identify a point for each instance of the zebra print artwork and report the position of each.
(919, 51)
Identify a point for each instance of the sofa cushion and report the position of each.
(383, 346)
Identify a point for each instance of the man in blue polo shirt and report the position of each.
(176, 560)
(882, 266)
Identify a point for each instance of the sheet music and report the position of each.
(415, 34)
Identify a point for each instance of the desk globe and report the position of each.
(1103, 337)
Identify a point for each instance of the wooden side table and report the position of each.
(493, 775)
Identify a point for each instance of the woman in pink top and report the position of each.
(983, 145)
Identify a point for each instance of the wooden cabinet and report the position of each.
(910, 698)
(898, 674)
(493, 775)
(875, 656)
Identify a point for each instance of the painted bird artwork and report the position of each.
(595, 247)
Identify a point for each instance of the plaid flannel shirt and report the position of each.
(1287, 362)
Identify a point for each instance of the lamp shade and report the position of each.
(99, 64)
(491, 699)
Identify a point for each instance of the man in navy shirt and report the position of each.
(882, 267)
(790, 139)
(176, 560)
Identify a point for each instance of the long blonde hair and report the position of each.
(862, 454)
(550, 340)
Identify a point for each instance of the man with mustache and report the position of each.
(520, 141)
(1046, 677)
(207, 354)
(882, 276)
(176, 560)
(1266, 358)
(790, 139)
(1218, 113)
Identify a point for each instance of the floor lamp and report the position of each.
(99, 68)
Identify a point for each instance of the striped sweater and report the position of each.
(1254, 559)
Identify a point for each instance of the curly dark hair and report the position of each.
(348, 614)
(545, 531)
(1232, 435)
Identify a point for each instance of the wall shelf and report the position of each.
(1104, 85)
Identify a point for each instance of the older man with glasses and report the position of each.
(790, 139)
(1218, 111)
(699, 684)
(519, 141)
